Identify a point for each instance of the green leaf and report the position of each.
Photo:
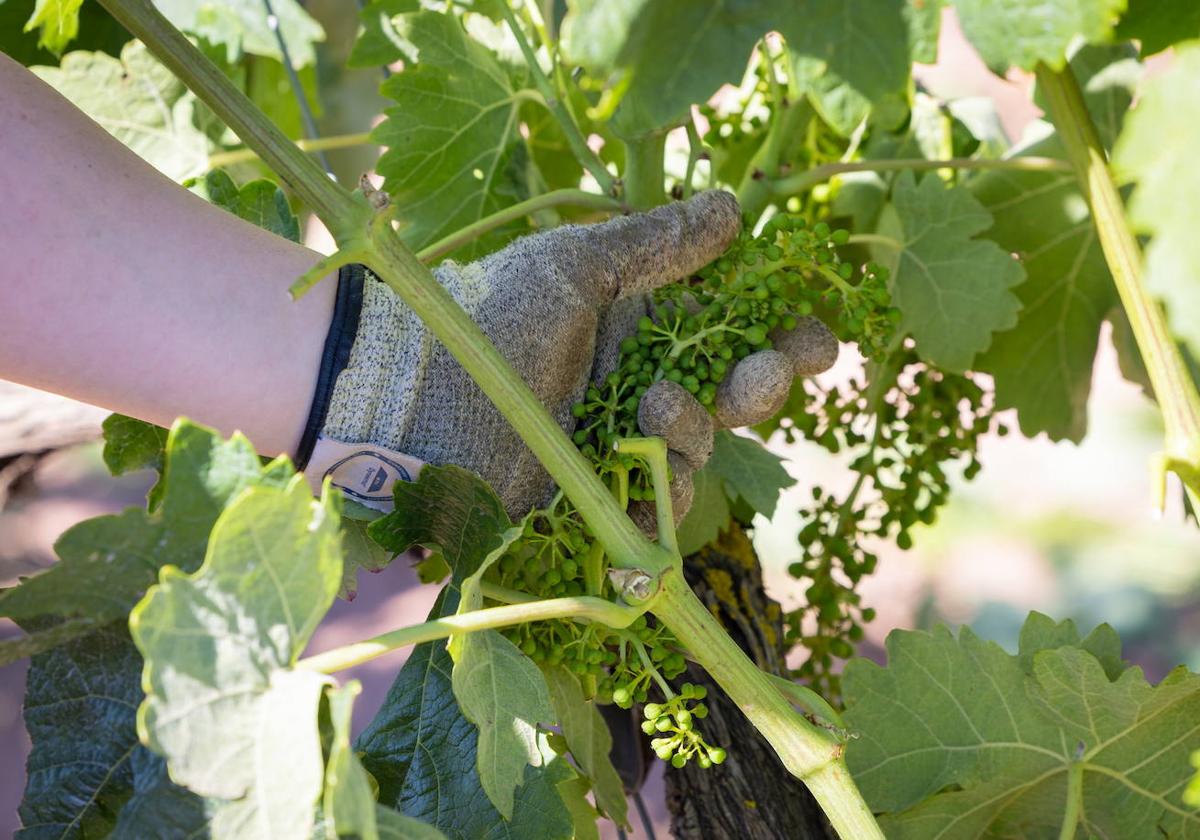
(708, 515)
(131, 444)
(106, 563)
(242, 26)
(1157, 149)
(219, 645)
(94, 682)
(594, 32)
(378, 42)
(454, 150)
(459, 518)
(349, 803)
(75, 786)
(709, 45)
(1021, 33)
(57, 22)
(583, 813)
(750, 471)
(1043, 366)
(260, 202)
(97, 31)
(590, 741)
(1159, 24)
(422, 752)
(359, 551)
(847, 55)
(924, 19)
(959, 739)
(395, 826)
(503, 693)
(141, 103)
(954, 291)
(202, 474)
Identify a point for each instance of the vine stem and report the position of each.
(320, 144)
(802, 181)
(644, 178)
(579, 147)
(1173, 387)
(583, 607)
(811, 754)
(354, 223)
(1074, 807)
(807, 751)
(555, 198)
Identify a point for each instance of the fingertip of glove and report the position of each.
(810, 345)
(668, 411)
(755, 389)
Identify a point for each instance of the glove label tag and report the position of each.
(363, 472)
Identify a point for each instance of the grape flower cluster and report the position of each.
(695, 331)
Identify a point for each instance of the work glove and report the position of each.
(556, 305)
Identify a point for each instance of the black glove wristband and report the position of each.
(343, 329)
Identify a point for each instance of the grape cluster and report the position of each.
(701, 327)
(674, 719)
(904, 432)
(696, 331)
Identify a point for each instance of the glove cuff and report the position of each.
(343, 329)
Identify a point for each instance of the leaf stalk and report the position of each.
(1173, 386)
(583, 607)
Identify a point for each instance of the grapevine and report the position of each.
(695, 331)
(903, 431)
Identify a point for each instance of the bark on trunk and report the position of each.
(751, 796)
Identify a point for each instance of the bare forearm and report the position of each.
(120, 288)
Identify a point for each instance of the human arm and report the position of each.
(121, 289)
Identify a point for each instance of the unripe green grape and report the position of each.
(756, 334)
(716, 755)
(664, 752)
(678, 760)
(652, 710)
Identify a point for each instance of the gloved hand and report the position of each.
(556, 304)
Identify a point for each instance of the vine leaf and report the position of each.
(75, 784)
(1043, 365)
(1157, 148)
(503, 693)
(242, 26)
(141, 103)
(456, 515)
(219, 645)
(393, 825)
(130, 445)
(583, 813)
(960, 739)
(106, 563)
(57, 22)
(924, 19)
(707, 516)
(954, 291)
(454, 149)
(590, 741)
(422, 752)
(847, 55)
(749, 471)
(349, 802)
(1159, 24)
(1021, 33)
(260, 202)
(378, 43)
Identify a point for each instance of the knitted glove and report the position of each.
(402, 400)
